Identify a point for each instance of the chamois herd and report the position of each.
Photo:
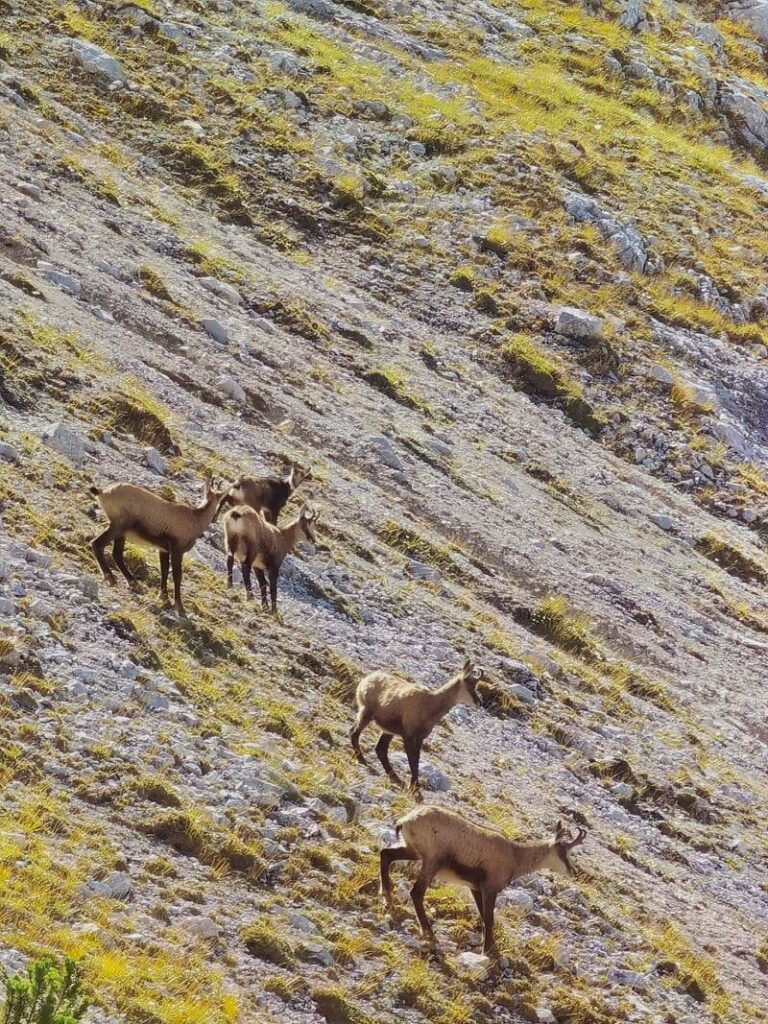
(446, 845)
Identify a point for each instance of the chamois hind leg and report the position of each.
(245, 569)
(386, 857)
(382, 752)
(426, 875)
(230, 567)
(117, 553)
(176, 557)
(262, 587)
(489, 905)
(362, 720)
(98, 544)
(165, 564)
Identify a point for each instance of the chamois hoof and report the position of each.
(110, 580)
(180, 610)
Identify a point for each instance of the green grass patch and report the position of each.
(541, 376)
(731, 558)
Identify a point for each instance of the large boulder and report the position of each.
(97, 61)
(753, 12)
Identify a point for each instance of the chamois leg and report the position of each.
(273, 589)
(117, 553)
(230, 567)
(262, 586)
(489, 905)
(245, 569)
(382, 752)
(165, 564)
(386, 857)
(362, 720)
(176, 557)
(98, 544)
(477, 896)
(417, 895)
(413, 752)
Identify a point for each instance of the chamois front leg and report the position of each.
(361, 722)
(165, 564)
(273, 571)
(386, 857)
(230, 567)
(382, 752)
(413, 752)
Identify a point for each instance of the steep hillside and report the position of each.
(496, 270)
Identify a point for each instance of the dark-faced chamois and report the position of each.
(138, 515)
(453, 849)
(400, 708)
(267, 494)
(262, 546)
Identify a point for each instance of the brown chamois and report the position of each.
(138, 515)
(456, 850)
(267, 494)
(404, 709)
(261, 545)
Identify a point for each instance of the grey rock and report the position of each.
(97, 61)
(200, 927)
(216, 330)
(66, 282)
(153, 460)
(323, 10)
(65, 441)
(232, 389)
(385, 452)
(420, 571)
(577, 323)
(633, 15)
(631, 248)
(221, 289)
(663, 522)
(9, 454)
(633, 979)
(474, 964)
(753, 12)
(746, 113)
(662, 374)
(7, 607)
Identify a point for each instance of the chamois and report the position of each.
(144, 518)
(261, 545)
(456, 850)
(267, 494)
(400, 708)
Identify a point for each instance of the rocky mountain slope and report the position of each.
(496, 271)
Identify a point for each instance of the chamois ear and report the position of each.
(560, 832)
(467, 667)
(290, 477)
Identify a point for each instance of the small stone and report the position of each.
(662, 374)
(117, 885)
(7, 607)
(748, 515)
(97, 61)
(64, 440)
(232, 389)
(9, 454)
(577, 323)
(220, 288)
(662, 521)
(521, 900)
(66, 282)
(201, 927)
(420, 571)
(475, 964)
(154, 460)
(383, 448)
(216, 330)
(633, 979)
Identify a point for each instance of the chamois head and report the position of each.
(213, 492)
(296, 476)
(471, 675)
(563, 844)
(308, 519)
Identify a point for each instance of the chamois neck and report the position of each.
(525, 858)
(291, 534)
(446, 696)
(206, 512)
